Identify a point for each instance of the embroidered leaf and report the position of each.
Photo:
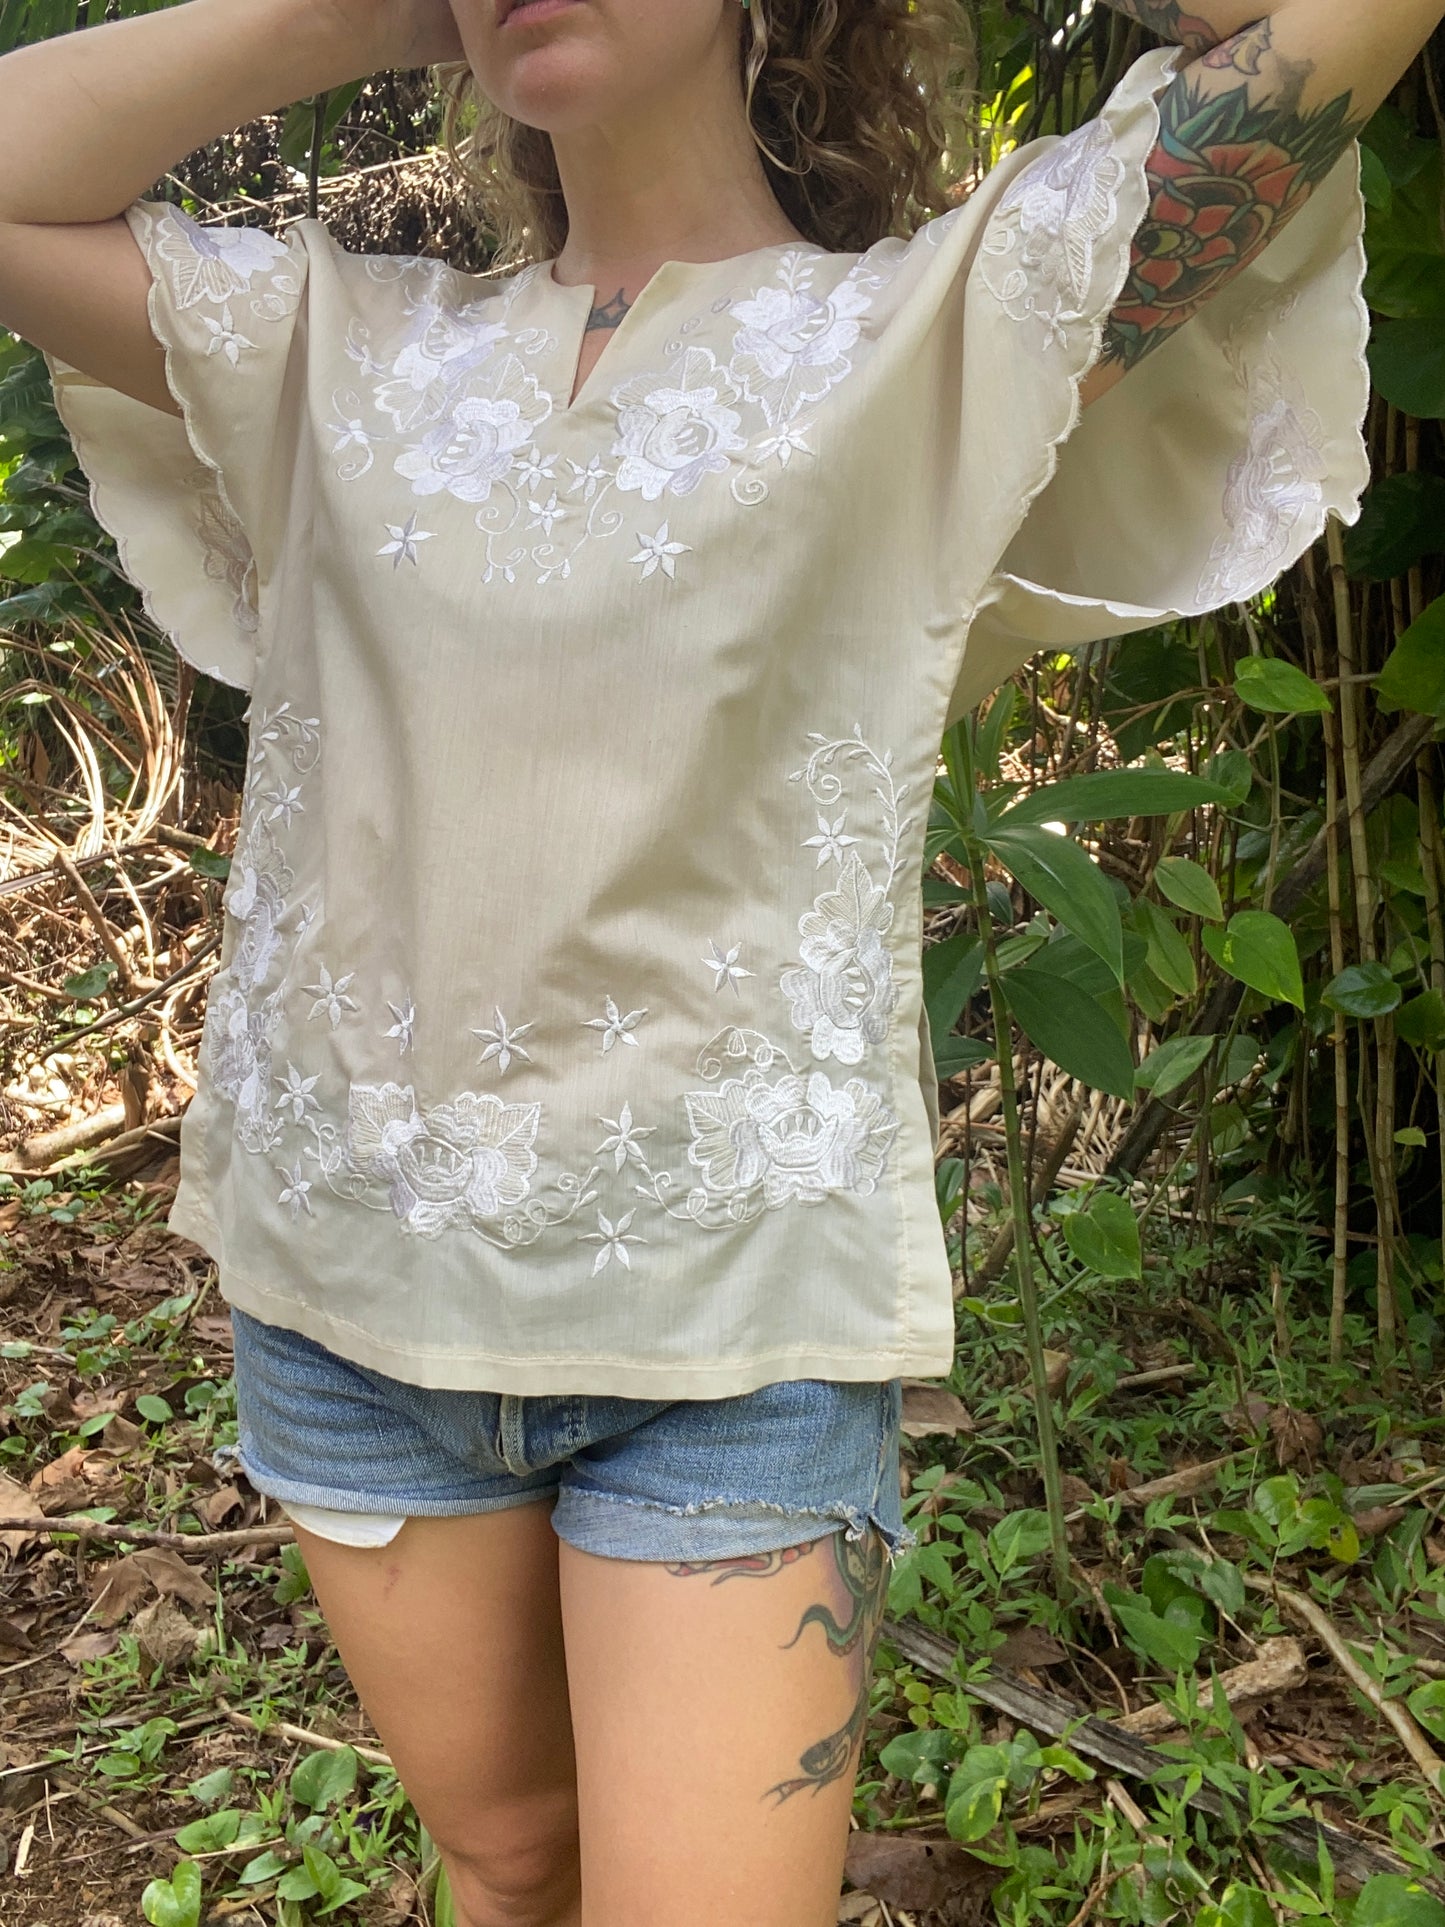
(1068, 883)
(1071, 1029)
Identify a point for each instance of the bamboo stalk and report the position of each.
(1374, 1115)
(1432, 867)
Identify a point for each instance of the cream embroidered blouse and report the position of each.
(568, 1034)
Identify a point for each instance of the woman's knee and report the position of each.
(519, 1868)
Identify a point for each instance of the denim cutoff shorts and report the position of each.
(664, 1479)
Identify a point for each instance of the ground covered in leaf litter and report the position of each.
(161, 1706)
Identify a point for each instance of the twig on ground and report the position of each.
(277, 1535)
(304, 1737)
(1307, 1613)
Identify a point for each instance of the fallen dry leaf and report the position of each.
(165, 1636)
(1029, 1647)
(17, 1503)
(120, 1586)
(929, 1409)
(1297, 1435)
(906, 1871)
(91, 1645)
(218, 1506)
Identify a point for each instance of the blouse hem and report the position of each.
(554, 1374)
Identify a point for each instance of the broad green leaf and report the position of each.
(1427, 1703)
(152, 1406)
(1277, 687)
(175, 1902)
(210, 863)
(1407, 361)
(952, 971)
(1164, 1641)
(1115, 793)
(322, 1778)
(974, 1805)
(89, 984)
(1105, 1237)
(1257, 949)
(1233, 771)
(212, 1787)
(922, 1758)
(1173, 1064)
(1169, 956)
(1412, 1138)
(211, 1834)
(1363, 990)
(1070, 957)
(1017, 1538)
(1395, 1900)
(1239, 1906)
(1067, 882)
(1071, 1029)
(1406, 278)
(1414, 673)
(1189, 886)
(1421, 1022)
(952, 1056)
(1403, 520)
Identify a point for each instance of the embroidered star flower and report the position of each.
(295, 1191)
(305, 917)
(351, 434)
(285, 804)
(726, 964)
(615, 1025)
(224, 337)
(830, 840)
(331, 997)
(544, 514)
(403, 1028)
(536, 468)
(404, 538)
(589, 479)
(295, 1095)
(622, 1139)
(503, 1043)
(789, 441)
(657, 552)
(613, 1240)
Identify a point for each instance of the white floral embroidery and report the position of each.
(215, 263)
(461, 1163)
(228, 557)
(404, 538)
(795, 344)
(622, 1138)
(799, 1138)
(1038, 252)
(475, 447)
(332, 1000)
(671, 434)
(404, 1028)
(615, 1026)
(296, 1191)
(295, 1095)
(614, 1240)
(226, 338)
(725, 964)
(502, 1042)
(659, 552)
(843, 993)
(830, 842)
(1271, 487)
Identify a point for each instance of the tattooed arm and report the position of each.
(1250, 127)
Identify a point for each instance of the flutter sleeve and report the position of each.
(198, 503)
(1214, 462)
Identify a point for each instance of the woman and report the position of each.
(566, 1123)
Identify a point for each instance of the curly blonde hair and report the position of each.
(860, 109)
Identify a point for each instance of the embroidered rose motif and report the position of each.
(794, 345)
(237, 1047)
(476, 446)
(844, 991)
(213, 263)
(433, 364)
(800, 1138)
(1277, 481)
(462, 1163)
(672, 433)
(1041, 266)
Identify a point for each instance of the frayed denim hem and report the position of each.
(617, 1525)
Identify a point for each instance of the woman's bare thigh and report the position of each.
(452, 1636)
(717, 1712)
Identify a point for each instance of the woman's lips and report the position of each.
(531, 12)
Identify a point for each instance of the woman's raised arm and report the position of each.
(90, 120)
